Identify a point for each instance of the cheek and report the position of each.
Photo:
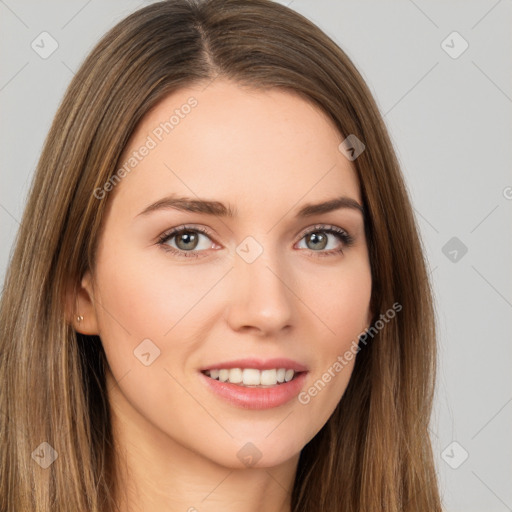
(343, 313)
(341, 301)
(139, 300)
(145, 297)
(152, 319)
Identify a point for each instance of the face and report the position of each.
(182, 287)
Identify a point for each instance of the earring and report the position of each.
(79, 318)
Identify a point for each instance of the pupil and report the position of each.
(188, 237)
(318, 239)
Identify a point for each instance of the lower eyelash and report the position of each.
(341, 234)
(185, 254)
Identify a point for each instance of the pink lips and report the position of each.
(256, 397)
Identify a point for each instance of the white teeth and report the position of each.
(269, 377)
(252, 376)
(288, 376)
(235, 375)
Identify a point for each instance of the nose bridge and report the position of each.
(260, 297)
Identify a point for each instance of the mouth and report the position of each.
(253, 388)
(253, 377)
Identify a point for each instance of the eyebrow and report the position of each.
(217, 208)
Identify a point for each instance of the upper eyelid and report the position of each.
(169, 233)
(321, 227)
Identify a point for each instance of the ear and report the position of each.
(81, 308)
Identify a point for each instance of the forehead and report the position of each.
(237, 145)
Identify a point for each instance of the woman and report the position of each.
(218, 297)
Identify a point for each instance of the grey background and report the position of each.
(450, 121)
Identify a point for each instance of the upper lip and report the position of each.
(258, 364)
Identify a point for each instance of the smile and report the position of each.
(252, 377)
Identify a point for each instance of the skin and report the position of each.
(267, 154)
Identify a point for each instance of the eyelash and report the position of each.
(346, 239)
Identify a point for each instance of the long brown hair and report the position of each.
(374, 453)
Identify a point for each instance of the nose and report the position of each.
(260, 297)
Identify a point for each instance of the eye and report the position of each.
(190, 242)
(186, 241)
(317, 240)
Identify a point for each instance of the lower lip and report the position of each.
(256, 398)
